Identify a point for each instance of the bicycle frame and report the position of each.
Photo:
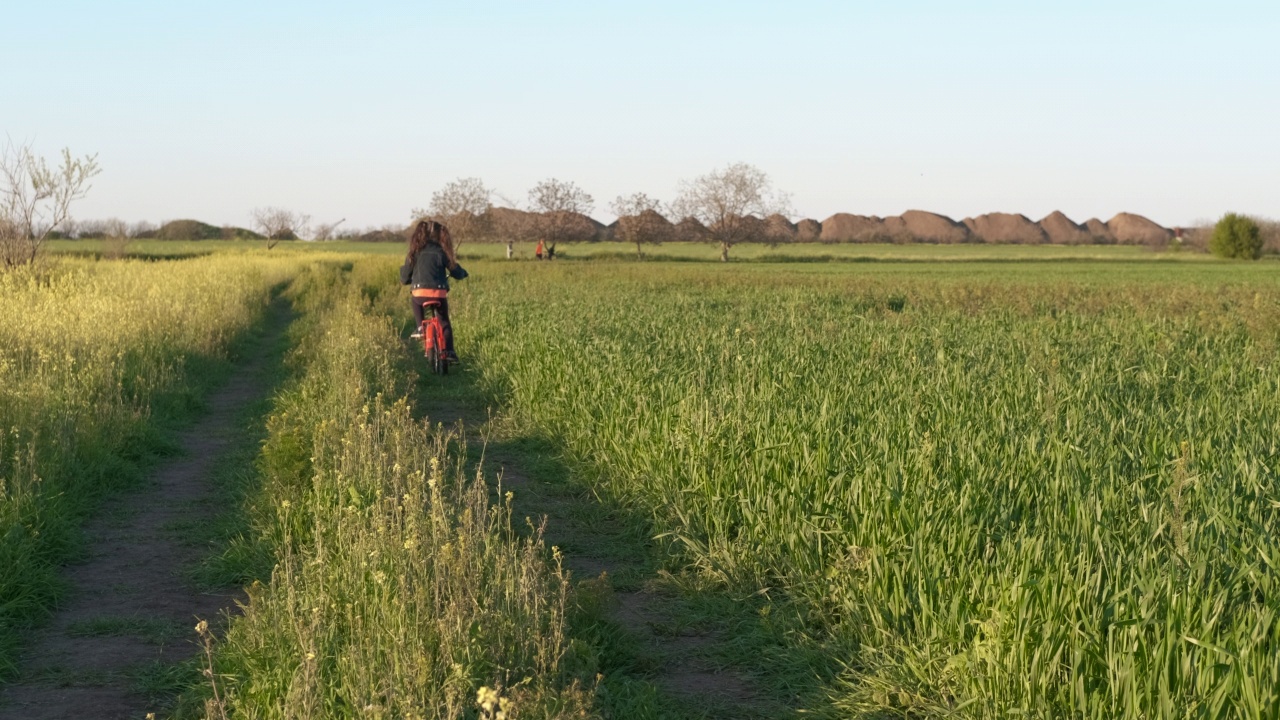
(433, 345)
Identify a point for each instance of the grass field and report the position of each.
(960, 481)
(399, 588)
(979, 490)
(97, 362)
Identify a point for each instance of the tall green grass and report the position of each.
(400, 588)
(1050, 496)
(94, 359)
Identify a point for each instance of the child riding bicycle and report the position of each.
(427, 269)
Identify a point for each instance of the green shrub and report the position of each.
(1236, 236)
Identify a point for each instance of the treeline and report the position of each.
(172, 230)
(501, 224)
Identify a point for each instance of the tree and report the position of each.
(115, 238)
(142, 229)
(35, 199)
(640, 221)
(326, 231)
(561, 207)
(1236, 236)
(278, 224)
(731, 203)
(463, 206)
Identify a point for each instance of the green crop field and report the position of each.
(921, 482)
(979, 489)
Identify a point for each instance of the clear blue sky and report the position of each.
(360, 110)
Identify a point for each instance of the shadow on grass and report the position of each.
(88, 477)
(612, 552)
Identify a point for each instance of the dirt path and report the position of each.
(130, 613)
(679, 657)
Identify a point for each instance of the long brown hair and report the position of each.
(430, 232)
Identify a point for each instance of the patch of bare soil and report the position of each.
(689, 672)
(130, 613)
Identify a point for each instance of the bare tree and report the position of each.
(561, 207)
(85, 229)
(35, 199)
(278, 224)
(731, 203)
(463, 206)
(142, 228)
(115, 238)
(326, 231)
(640, 221)
(71, 228)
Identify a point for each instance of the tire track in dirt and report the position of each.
(686, 670)
(130, 612)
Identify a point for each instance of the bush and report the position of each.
(1236, 236)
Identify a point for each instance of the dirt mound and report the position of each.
(1099, 232)
(749, 228)
(1006, 228)
(691, 230)
(808, 230)
(653, 217)
(564, 226)
(1130, 229)
(188, 230)
(386, 236)
(511, 224)
(1062, 230)
(844, 227)
(926, 227)
(778, 228)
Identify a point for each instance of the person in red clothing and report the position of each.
(537, 253)
(427, 269)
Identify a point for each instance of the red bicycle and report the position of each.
(433, 345)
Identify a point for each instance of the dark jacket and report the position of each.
(430, 270)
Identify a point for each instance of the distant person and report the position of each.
(551, 251)
(537, 252)
(426, 270)
(511, 251)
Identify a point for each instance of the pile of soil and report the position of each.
(808, 230)
(1099, 231)
(845, 227)
(196, 230)
(752, 228)
(692, 230)
(779, 229)
(1062, 230)
(926, 227)
(569, 226)
(1006, 228)
(1130, 229)
(386, 236)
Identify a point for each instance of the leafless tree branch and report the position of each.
(731, 203)
(640, 221)
(36, 199)
(278, 224)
